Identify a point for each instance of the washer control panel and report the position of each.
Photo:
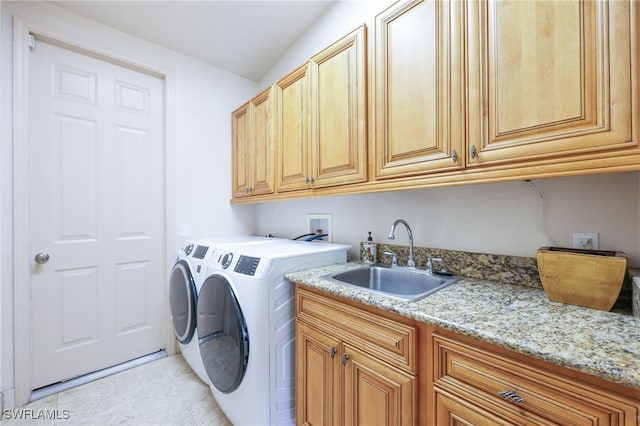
(200, 252)
(247, 265)
(225, 260)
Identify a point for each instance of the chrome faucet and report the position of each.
(410, 262)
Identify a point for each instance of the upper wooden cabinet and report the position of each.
(455, 92)
(292, 94)
(417, 90)
(338, 112)
(252, 147)
(322, 118)
(240, 146)
(549, 79)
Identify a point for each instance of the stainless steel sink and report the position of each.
(406, 284)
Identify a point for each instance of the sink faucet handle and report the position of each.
(430, 262)
(394, 259)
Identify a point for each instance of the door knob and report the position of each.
(42, 258)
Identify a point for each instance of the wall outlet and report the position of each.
(586, 240)
(320, 224)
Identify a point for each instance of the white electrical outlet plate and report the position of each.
(320, 223)
(586, 240)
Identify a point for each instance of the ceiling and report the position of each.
(243, 37)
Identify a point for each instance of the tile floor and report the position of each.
(162, 392)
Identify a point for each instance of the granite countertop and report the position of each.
(598, 343)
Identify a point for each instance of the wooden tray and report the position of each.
(589, 278)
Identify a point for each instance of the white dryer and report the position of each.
(246, 326)
(189, 271)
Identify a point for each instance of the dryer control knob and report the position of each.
(226, 260)
(188, 249)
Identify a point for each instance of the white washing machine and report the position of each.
(246, 326)
(185, 281)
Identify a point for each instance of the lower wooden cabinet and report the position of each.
(340, 377)
(358, 365)
(475, 383)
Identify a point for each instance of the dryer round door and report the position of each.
(222, 334)
(182, 300)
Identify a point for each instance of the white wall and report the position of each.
(341, 19)
(200, 102)
(501, 218)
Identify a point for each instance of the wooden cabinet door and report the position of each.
(417, 97)
(338, 111)
(262, 154)
(376, 393)
(241, 147)
(549, 78)
(293, 131)
(252, 147)
(318, 368)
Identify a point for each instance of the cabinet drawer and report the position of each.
(387, 338)
(480, 375)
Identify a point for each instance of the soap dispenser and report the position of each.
(369, 250)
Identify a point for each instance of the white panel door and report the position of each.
(96, 211)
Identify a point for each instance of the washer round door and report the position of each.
(182, 300)
(222, 334)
